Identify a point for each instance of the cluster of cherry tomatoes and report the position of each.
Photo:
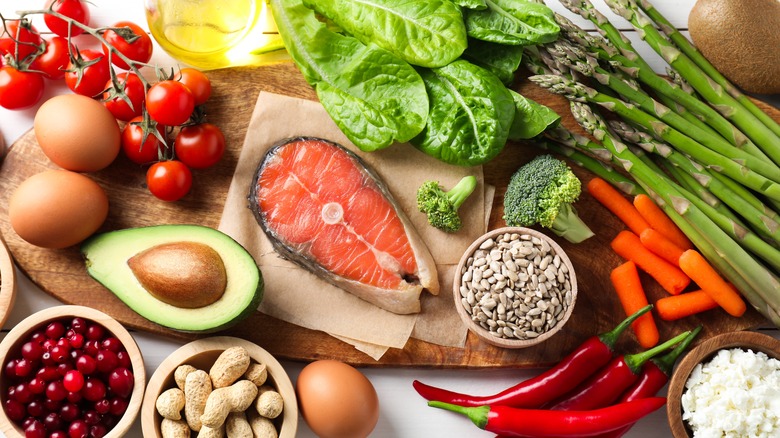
(151, 111)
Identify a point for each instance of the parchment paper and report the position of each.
(293, 294)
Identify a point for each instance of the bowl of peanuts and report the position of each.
(220, 386)
(514, 287)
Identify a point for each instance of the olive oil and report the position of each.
(211, 34)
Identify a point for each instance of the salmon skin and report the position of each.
(324, 209)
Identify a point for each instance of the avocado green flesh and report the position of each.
(106, 259)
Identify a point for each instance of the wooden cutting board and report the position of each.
(61, 273)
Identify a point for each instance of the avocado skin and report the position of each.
(106, 258)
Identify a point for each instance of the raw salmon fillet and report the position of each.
(324, 209)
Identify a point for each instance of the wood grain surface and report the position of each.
(61, 273)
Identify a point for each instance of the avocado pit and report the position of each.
(183, 274)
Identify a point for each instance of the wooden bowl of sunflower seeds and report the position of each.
(515, 287)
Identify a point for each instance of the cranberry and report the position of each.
(14, 410)
(79, 325)
(113, 344)
(24, 367)
(110, 421)
(118, 406)
(73, 381)
(48, 373)
(106, 361)
(55, 330)
(86, 364)
(36, 385)
(38, 337)
(121, 382)
(124, 359)
(56, 391)
(63, 369)
(23, 394)
(48, 344)
(91, 347)
(10, 368)
(27, 422)
(78, 429)
(102, 406)
(52, 405)
(58, 434)
(60, 354)
(76, 340)
(52, 421)
(47, 359)
(32, 350)
(69, 412)
(95, 332)
(36, 408)
(35, 429)
(98, 431)
(94, 389)
(75, 397)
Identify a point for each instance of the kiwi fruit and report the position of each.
(741, 38)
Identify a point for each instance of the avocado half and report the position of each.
(107, 258)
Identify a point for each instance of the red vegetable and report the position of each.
(514, 422)
(603, 388)
(655, 375)
(591, 355)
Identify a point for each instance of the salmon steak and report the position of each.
(324, 209)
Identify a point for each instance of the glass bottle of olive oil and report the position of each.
(211, 34)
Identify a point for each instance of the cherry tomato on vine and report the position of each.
(169, 180)
(54, 60)
(140, 50)
(197, 82)
(76, 9)
(132, 138)
(133, 88)
(22, 31)
(170, 102)
(199, 146)
(94, 76)
(19, 89)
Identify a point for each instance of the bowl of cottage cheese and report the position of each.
(728, 386)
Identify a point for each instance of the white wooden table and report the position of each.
(404, 414)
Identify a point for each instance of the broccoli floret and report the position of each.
(541, 192)
(442, 207)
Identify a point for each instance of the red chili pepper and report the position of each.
(655, 375)
(514, 422)
(604, 387)
(585, 360)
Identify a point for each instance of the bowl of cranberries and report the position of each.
(70, 372)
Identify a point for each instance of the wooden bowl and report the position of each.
(512, 342)
(16, 337)
(703, 353)
(7, 282)
(201, 354)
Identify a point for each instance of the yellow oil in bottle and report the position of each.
(211, 34)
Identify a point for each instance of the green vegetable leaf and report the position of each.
(470, 115)
(531, 118)
(501, 59)
(372, 95)
(514, 22)
(427, 33)
(471, 4)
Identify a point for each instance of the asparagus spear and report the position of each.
(739, 172)
(692, 52)
(758, 284)
(580, 61)
(630, 61)
(714, 93)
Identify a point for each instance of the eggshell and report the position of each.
(337, 400)
(77, 133)
(57, 208)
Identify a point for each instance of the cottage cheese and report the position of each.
(736, 394)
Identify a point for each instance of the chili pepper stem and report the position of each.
(477, 415)
(667, 361)
(610, 338)
(635, 361)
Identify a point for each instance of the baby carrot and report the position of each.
(700, 271)
(659, 221)
(659, 245)
(674, 307)
(621, 207)
(627, 245)
(625, 279)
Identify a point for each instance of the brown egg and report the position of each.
(77, 133)
(337, 400)
(57, 208)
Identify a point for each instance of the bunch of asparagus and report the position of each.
(704, 151)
